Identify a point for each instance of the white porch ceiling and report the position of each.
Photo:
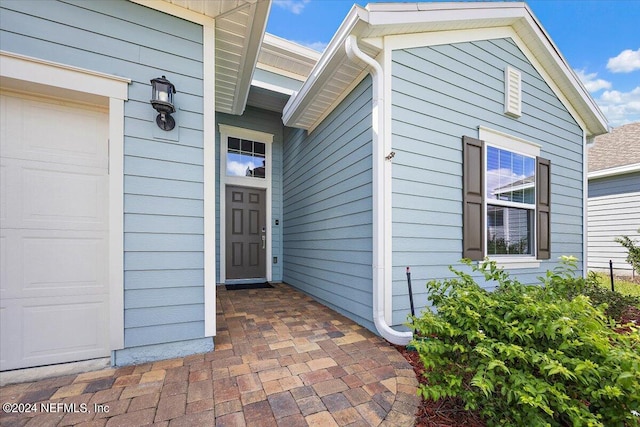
(239, 28)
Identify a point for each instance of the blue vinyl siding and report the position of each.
(327, 207)
(268, 122)
(439, 94)
(163, 182)
(609, 186)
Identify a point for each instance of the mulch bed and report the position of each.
(447, 412)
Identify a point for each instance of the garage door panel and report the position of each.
(54, 232)
(63, 266)
(78, 327)
(4, 205)
(54, 131)
(54, 198)
(10, 323)
(53, 330)
(11, 263)
(9, 198)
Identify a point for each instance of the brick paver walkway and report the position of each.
(280, 359)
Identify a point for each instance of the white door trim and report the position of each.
(53, 79)
(267, 138)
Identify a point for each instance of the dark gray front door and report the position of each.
(246, 233)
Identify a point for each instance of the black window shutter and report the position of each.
(543, 207)
(473, 240)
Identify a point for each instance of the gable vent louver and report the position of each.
(512, 92)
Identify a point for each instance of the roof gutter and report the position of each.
(617, 170)
(380, 224)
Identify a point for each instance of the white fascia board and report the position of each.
(443, 12)
(296, 104)
(599, 124)
(260, 13)
(291, 47)
(405, 41)
(398, 14)
(275, 70)
(272, 87)
(618, 170)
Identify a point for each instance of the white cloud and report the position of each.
(591, 82)
(620, 107)
(294, 6)
(628, 60)
(317, 46)
(500, 178)
(239, 169)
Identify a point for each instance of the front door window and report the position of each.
(246, 158)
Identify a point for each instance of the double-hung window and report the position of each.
(510, 206)
(506, 199)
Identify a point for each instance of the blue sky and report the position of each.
(599, 38)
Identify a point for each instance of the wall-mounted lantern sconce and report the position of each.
(162, 100)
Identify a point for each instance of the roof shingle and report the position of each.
(620, 147)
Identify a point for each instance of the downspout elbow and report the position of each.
(387, 332)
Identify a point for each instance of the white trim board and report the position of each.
(114, 91)
(618, 170)
(227, 131)
(209, 153)
(408, 41)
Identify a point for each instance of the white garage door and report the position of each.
(54, 232)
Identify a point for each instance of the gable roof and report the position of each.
(335, 73)
(616, 152)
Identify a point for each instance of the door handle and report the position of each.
(264, 241)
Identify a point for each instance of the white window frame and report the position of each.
(227, 132)
(503, 141)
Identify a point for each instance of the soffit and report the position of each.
(238, 37)
(335, 73)
(285, 57)
(210, 8)
(267, 99)
(239, 28)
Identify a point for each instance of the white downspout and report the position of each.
(379, 202)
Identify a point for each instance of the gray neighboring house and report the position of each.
(614, 197)
(331, 172)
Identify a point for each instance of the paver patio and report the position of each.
(280, 359)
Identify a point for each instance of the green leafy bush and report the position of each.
(633, 251)
(564, 282)
(528, 355)
(616, 302)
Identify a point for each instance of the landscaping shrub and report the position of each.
(526, 355)
(616, 302)
(564, 282)
(633, 251)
